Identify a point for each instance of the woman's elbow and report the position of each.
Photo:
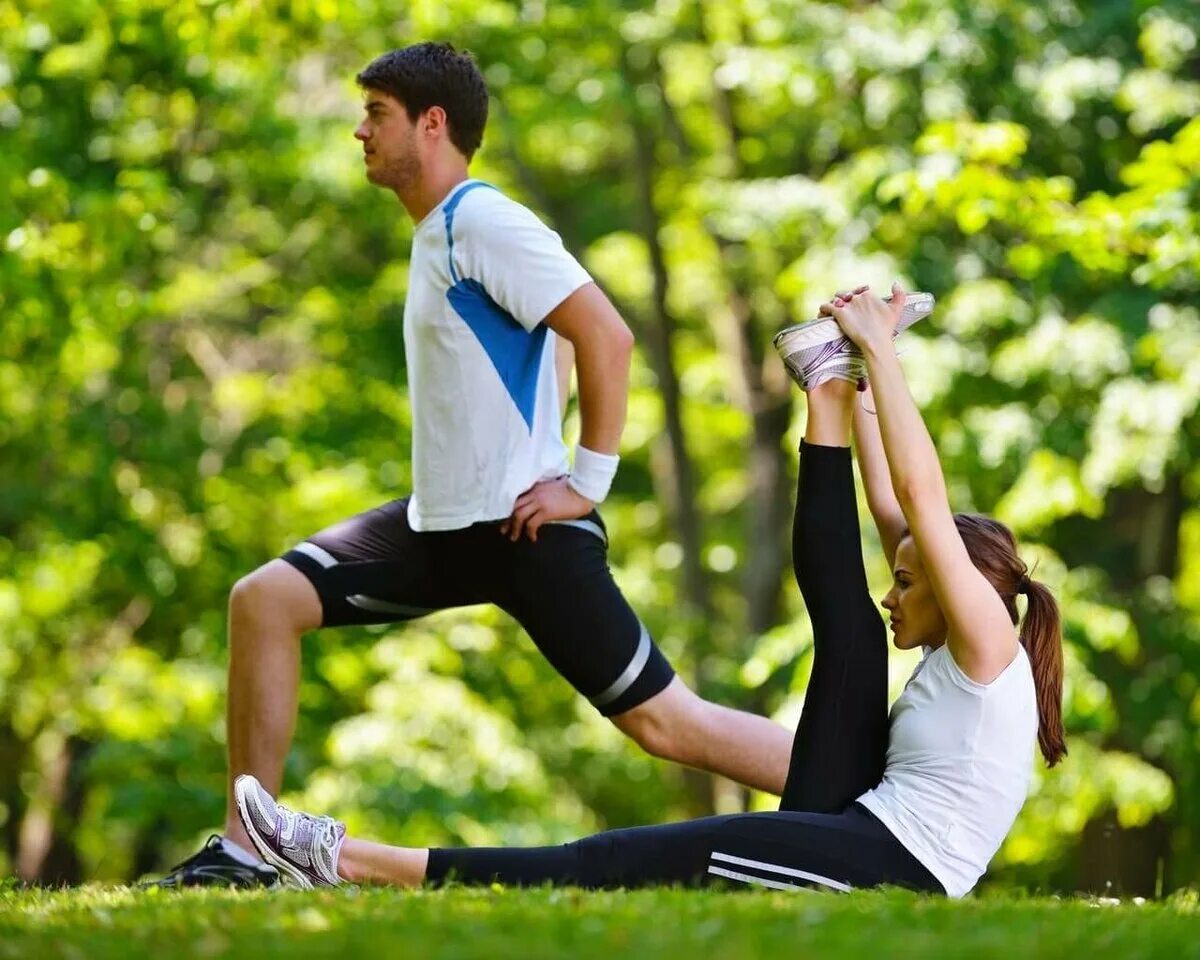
(919, 494)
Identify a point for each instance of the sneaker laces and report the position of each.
(214, 840)
(328, 831)
(319, 850)
(172, 876)
(324, 828)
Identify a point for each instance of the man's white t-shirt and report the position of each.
(486, 421)
(959, 762)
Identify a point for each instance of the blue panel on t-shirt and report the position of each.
(515, 352)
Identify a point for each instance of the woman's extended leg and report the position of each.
(783, 850)
(841, 742)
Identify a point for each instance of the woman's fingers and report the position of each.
(841, 299)
(898, 297)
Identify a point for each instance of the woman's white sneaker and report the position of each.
(817, 350)
(303, 848)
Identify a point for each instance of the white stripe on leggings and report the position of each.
(785, 871)
(757, 881)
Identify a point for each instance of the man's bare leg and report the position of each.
(269, 611)
(679, 725)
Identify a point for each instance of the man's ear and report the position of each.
(434, 120)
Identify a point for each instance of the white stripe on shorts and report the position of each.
(375, 605)
(323, 557)
(640, 658)
(589, 525)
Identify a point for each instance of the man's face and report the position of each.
(389, 142)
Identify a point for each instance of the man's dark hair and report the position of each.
(435, 75)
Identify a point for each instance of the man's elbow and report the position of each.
(611, 339)
(622, 339)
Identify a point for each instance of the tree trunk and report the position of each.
(1118, 861)
(46, 852)
(765, 394)
(675, 477)
(12, 761)
(681, 484)
(1140, 861)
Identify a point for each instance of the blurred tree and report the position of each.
(203, 363)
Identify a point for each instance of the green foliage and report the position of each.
(202, 363)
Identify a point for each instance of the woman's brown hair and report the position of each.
(993, 549)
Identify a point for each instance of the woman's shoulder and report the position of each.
(1018, 671)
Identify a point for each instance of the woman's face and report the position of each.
(916, 618)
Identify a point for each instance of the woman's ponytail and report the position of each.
(1041, 635)
(993, 550)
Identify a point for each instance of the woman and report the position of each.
(921, 802)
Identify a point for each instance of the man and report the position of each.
(495, 516)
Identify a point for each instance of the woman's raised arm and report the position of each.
(877, 479)
(980, 635)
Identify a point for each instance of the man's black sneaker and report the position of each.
(220, 863)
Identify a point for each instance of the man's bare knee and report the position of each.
(276, 593)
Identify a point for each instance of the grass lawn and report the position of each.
(499, 924)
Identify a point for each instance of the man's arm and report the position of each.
(603, 347)
(564, 363)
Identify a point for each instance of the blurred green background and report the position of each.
(202, 362)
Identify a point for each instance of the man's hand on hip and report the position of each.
(541, 503)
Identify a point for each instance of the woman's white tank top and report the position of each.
(959, 762)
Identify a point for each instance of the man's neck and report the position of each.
(431, 190)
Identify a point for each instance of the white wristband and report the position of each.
(593, 473)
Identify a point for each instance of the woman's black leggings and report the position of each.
(819, 837)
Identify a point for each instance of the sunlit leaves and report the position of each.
(1136, 432)
(1048, 489)
(1087, 782)
(202, 363)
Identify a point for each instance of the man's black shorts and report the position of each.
(374, 568)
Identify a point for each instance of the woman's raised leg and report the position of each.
(841, 742)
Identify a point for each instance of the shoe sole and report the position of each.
(264, 849)
(814, 333)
